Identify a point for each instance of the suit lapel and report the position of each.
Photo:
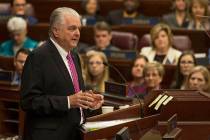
(60, 64)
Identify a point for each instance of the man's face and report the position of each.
(19, 7)
(102, 38)
(131, 6)
(91, 7)
(20, 61)
(67, 33)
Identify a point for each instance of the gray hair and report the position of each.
(57, 16)
(16, 24)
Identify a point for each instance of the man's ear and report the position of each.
(55, 31)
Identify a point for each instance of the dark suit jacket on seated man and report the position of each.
(52, 86)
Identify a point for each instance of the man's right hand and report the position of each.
(81, 99)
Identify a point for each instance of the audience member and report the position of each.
(91, 15)
(96, 72)
(19, 62)
(161, 49)
(179, 17)
(198, 79)
(103, 37)
(198, 9)
(19, 9)
(17, 27)
(153, 74)
(128, 15)
(185, 64)
(137, 83)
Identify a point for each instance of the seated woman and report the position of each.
(198, 9)
(198, 79)
(185, 64)
(179, 17)
(153, 74)
(161, 49)
(96, 72)
(17, 27)
(137, 83)
(91, 15)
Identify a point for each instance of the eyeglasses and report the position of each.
(96, 62)
(19, 4)
(186, 62)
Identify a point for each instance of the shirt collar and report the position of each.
(61, 51)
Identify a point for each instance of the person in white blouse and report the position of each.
(161, 49)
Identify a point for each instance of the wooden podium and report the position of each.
(192, 109)
(137, 128)
(189, 105)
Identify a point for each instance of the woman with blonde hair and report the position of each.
(153, 75)
(161, 49)
(198, 79)
(96, 72)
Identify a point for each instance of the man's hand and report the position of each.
(81, 99)
(86, 100)
(98, 100)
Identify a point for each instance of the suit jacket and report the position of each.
(171, 57)
(46, 83)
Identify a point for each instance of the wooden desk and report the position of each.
(11, 116)
(7, 63)
(189, 105)
(192, 108)
(136, 128)
(191, 130)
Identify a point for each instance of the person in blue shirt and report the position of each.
(17, 27)
(19, 61)
(21, 8)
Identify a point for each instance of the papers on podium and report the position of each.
(161, 99)
(91, 126)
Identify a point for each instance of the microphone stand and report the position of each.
(130, 88)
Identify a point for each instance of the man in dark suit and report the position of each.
(52, 85)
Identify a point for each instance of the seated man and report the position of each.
(19, 9)
(19, 62)
(103, 37)
(17, 27)
(129, 15)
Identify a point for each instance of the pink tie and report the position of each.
(75, 80)
(73, 72)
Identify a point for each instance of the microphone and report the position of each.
(130, 88)
(202, 16)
